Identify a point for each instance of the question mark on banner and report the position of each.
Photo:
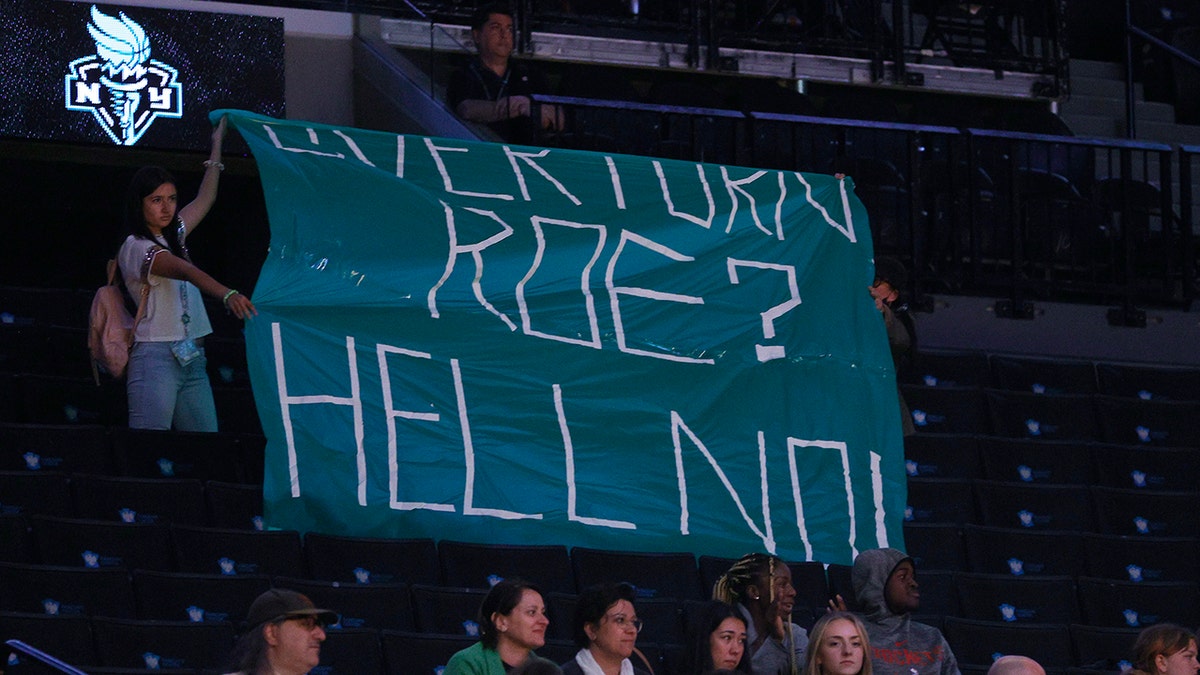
(768, 352)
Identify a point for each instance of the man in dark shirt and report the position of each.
(493, 88)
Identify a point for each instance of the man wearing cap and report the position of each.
(885, 586)
(283, 635)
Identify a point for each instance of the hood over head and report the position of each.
(869, 577)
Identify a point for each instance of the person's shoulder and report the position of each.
(466, 660)
(572, 668)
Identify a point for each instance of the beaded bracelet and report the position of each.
(210, 163)
(229, 294)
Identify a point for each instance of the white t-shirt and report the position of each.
(164, 309)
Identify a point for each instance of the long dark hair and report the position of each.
(703, 622)
(249, 655)
(503, 597)
(144, 182)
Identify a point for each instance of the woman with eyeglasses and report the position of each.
(606, 629)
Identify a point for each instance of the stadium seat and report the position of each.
(949, 369)
(139, 500)
(979, 643)
(407, 653)
(1011, 599)
(838, 576)
(148, 453)
(662, 619)
(36, 492)
(1132, 421)
(375, 606)
(1034, 506)
(939, 596)
(69, 448)
(182, 596)
(127, 643)
(214, 550)
(449, 611)
(1142, 558)
(67, 637)
(1043, 376)
(1149, 467)
(942, 456)
(16, 541)
(1133, 604)
(1051, 417)
(1103, 648)
(1133, 511)
(235, 506)
(350, 651)
(53, 399)
(371, 560)
(654, 575)
(1149, 382)
(482, 565)
(66, 591)
(1023, 552)
(947, 410)
(236, 409)
(102, 543)
(939, 500)
(935, 546)
(1033, 461)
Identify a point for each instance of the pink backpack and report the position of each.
(110, 327)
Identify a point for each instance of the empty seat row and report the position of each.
(1075, 417)
(73, 542)
(1052, 376)
(119, 451)
(969, 456)
(1039, 506)
(36, 398)
(1028, 552)
(1058, 599)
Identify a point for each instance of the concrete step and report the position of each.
(1093, 126)
(1164, 132)
(1097, 69)
(1093, 86)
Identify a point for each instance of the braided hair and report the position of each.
(752, 569)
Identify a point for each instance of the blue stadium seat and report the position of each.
(1013, 599)
(1136, 604)
(36, 492)
(101, 543)
(139, 500)
(481, 565)
(350, 651)
(376, 606)
(69, 448)
(1133, 421)
(654, 575)
(1142, 558)
(406, 653)
(1034, 506)
(979, 643)
(935, 546)
(448, 611)
(1043, 417)
(947, 410)
(1146, 467)
(214, 550)
(371, 560)
(1043, 376)
(1034, 461)
(1141, 512)
(149, 453)
(66, 591)
(127, 643)
(939, 500)
(1149, 382)
(66, 637)
(16, 541)
(1023, 551)
(182, 596)
(949, 369)
(931, 455)
(1103, 648)
(237, 506)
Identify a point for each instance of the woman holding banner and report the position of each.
(167, 381)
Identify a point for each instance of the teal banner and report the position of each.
(503, 344)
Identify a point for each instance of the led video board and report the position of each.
(94, 72)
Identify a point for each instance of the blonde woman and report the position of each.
(838, 645)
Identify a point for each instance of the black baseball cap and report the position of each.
(279, 604)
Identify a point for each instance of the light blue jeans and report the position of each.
(164, 395)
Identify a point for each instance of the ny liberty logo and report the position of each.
(123, 88)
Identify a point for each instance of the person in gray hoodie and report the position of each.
(885, 587)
